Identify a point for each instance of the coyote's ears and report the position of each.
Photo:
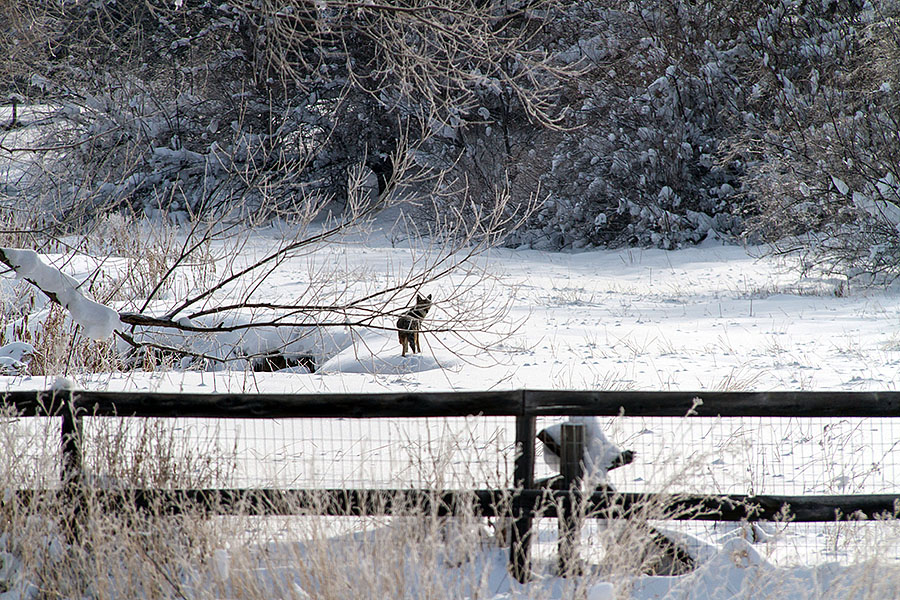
(421, 299)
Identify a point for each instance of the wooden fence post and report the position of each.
(571, 467)
(72, 467)
(523, 476)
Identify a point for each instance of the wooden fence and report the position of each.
(524, 405)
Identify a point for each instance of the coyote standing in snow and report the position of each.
(410, 322)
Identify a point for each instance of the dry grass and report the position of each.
(122, 552)
(142, 258)
(137, 265)
(413, 552)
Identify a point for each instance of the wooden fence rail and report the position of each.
(522, 502)
(515, 403)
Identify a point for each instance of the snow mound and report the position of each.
(14, 358)
(347, 363)
(379, 353)
(601, 591)
(735, 570)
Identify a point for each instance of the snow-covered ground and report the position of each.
(712, 317)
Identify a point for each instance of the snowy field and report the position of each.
(714, 317)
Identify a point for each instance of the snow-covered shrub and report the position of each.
(255, 108)
(823, 167)
(160, 116)
(637, 161)
(646, 123)
(691, 117)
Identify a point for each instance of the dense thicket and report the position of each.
(758, 118)
(257, 105)
(651, 122)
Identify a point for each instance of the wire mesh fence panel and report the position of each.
(29, 452)
(157, 453)
(748, 456)
(754, 455)
(433, 453)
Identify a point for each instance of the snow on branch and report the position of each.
(97, 321)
